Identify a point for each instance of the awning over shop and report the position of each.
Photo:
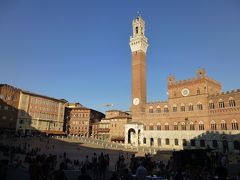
(117, 138)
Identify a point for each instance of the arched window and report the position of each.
(167, 142)
(158, 126)
(193, 142)
(201, 125)
(182, 107)
(211, 105)
(221, 103)
(159, 142)
(166, 125)
(198, 91)
(183, 126)
(176, 142)
(151, 127)
(232, 102)
(199, 106)
(151, 141)
(223, 125)
(192, 126)
(175, 126)
(234, 125)
(144, 127)
(174, 108)
(150, 109)
(136, 30)
(158, 109)
(213, 125)
(184, 142)
(190, 107)
(236, 145)
(165, 109)
(144, 140)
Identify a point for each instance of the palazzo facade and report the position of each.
(197, 114)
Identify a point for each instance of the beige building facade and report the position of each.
(197, 114)
(38, 113)
(112, 127)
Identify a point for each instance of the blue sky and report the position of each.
(79, 49)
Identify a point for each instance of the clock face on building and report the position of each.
(136, 101)
(185, 92)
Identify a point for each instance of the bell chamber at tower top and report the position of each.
(138, 41)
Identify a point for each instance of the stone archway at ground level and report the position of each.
(131, 136)
(225, 144)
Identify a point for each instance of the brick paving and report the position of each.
(77, 150)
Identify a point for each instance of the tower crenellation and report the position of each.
(138, 40)
(201, 73)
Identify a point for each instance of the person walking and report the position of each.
(141, 172)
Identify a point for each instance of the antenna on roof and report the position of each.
(138, 14)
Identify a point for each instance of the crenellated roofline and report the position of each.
(225, 93)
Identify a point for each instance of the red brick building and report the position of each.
(79, 120)
(196, 114)
(9, 100)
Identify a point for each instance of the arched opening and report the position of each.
(150, 109)
(211, 105)
(236, 145)
(136, 30)
(159, 142)
(232, 102)
(151, 141)
(184, 142)
(221, 103)
(234, 125)
(131, 135)
(139, 131)
(193, 142)
(214, 144)
(225, 146)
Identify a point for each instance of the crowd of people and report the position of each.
(36, 155)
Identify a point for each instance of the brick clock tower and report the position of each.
(138, 44)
